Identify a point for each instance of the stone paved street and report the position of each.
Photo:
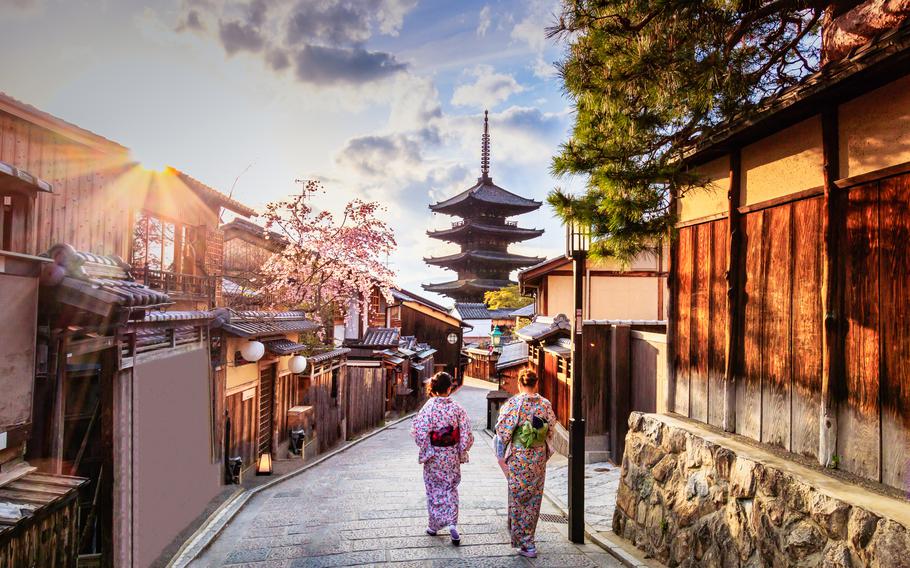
(366, 506)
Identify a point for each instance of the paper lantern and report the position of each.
(297, 364)
(252, 351)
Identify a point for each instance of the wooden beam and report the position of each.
(832, 292)
(59, 410)
(735, 259)
(105, 488)
(672, 315)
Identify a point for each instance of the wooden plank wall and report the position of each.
(329, 410)
(83, 210)
(365, 399)
(700, 319)
(648, 363)
(595, 363)
(242, 414)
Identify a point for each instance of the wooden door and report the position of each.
(266, 404)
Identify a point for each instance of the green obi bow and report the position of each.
(527, 436)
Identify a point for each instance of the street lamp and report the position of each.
(578, 242)
(496, 337)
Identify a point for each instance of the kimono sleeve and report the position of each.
(551, 431)
(420, 429)
(508, 419)
(467, 436)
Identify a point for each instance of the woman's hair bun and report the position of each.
(527, 378)
(439, 384)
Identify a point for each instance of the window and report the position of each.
(163, 245)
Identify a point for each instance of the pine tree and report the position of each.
(651, 78)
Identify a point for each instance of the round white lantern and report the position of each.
(252, 351)
(452, 338)
(297, 364)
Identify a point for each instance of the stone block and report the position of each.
(803, 540)
(836, 555)
(861, 527)
(890, 547)
(743, 478)
(723, 462)
(664, 468)
(830, 514)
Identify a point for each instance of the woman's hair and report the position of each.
(527, 378)
(439, 384)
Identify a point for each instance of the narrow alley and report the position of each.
(366, 506)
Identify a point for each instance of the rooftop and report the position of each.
(479, 310)
(485, 192)
(464, 229)
(492, 256)
(212, 194)
(468, 285)
(543, 327)
(256, 323)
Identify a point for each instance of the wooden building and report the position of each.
(165, 224)
(109, 368)
(247, 247)
(611, 291)
(430, 323)
(790, 283)
(258, 394)
(39, 512)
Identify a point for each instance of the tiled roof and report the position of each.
(381, 336)
(514, 353)
(253, 323)
(241, 224)
(486, 192)
(524, 312)
(213, 194)
(408, 296)
(472, 226)
(498, 257)
(326, 355)
(468, 284)
(14, 178)
(32, 494)
(283, 347)
(472, 310)
(100, 284)
(159, 316)
(561, 347)
(543, 327)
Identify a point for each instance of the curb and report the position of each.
(219, 519)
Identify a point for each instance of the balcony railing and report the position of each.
(178, 286)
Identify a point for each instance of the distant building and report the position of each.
(484, 262)
(482, 320)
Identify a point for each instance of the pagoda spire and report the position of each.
(485, 148)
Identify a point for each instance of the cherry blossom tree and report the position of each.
(327, 263)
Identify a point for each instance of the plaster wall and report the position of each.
(622, 297)
(875, 129)
(710, 199)
(174, 476)
(786, 162)
(248, 374)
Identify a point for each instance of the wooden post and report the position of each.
(105, 505)
(733, 339)
(672, 315)
(57, 428)
(832, 293)
(620, 382)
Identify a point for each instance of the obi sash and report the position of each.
(445, 437)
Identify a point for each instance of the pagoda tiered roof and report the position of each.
(485, 196)
(484, 257)
(468, 228)
(467, 288)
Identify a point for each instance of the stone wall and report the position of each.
(693, 497)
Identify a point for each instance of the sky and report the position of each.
(379, 99)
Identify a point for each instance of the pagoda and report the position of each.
(484, 234)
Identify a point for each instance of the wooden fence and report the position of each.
(365, 398)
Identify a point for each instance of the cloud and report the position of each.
(380, 155)
(324, 42)
(484, 21)
(332, 65)
(237, 36)
(531, 29)
(488, 90)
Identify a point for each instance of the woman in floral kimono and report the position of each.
(442, 431)
(523, 439)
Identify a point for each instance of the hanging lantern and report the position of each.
(297, 364)
(496, 337)
(252, 351)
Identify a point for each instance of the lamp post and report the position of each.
(578, 242)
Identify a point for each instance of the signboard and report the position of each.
(248, 394)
